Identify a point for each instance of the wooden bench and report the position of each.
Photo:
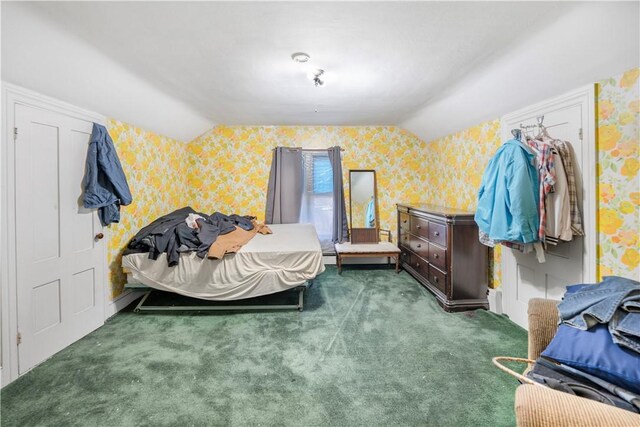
(367, 250)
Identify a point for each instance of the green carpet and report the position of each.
(371, 348)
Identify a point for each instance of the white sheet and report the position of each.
(267, 264)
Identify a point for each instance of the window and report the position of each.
(322, 176)
(317, 199)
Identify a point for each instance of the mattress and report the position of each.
(268, 264)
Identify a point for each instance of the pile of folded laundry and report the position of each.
(596, 350)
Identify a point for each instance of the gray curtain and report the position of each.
(284, 193)
(340, 227)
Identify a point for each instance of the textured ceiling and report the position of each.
(231, 61)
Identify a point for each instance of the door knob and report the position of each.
(99, 236)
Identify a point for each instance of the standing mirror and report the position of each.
(363, 206)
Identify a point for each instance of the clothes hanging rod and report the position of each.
(308, 149)
(540, 125)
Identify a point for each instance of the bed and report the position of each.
(290, 258)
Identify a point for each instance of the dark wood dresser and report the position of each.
(440, 249)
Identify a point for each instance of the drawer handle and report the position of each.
(417, 265)
(436, 256)
(418, 227)
(404, 222)
(419, 245)
(436, 233)
(435, 278)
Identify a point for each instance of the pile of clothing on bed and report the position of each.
(186, 230)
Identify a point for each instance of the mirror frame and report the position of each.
(364, 235)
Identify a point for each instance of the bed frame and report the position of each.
(142, 308)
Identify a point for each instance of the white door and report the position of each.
(59, 252)
(568, 263)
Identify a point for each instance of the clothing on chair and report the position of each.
(615, 301)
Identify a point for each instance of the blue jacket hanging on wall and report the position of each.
(105, 185)
(508, 197)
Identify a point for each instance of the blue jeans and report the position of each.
(615, 301)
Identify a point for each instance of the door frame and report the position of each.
(11, 96)
(585, 96)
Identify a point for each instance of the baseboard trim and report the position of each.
(121, 302)
(495, 300)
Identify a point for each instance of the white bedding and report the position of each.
(267, 264)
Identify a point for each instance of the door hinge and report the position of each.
(19, 338)
(580, 134)
(15, 133)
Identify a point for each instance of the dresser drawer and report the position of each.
(405, 256)
(438, 279)
(419, 247)
(438, 256)
(404, 238)
(404, 221)
(420, 266)
(419, 227)
(438, 233)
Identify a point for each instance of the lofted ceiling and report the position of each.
(230, 61)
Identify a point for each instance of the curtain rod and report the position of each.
(309, 149)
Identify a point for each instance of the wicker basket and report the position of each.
(525, 380)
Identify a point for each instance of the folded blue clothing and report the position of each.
(594, 352)
(625, 330)
(592, 304)
(608, 351)
(615, 301)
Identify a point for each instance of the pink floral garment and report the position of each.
(547, 175)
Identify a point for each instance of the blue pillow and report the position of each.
(594, 352)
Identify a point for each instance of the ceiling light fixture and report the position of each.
(314, 76)
(314, 73)
(300, 57)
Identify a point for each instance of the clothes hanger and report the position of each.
(542, 130)
(517, 134)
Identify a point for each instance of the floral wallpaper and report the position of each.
(618, 178)
(229, 165)
(154, 168)
(358, 212)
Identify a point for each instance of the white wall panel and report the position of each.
(594, 41)
(41, 56)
